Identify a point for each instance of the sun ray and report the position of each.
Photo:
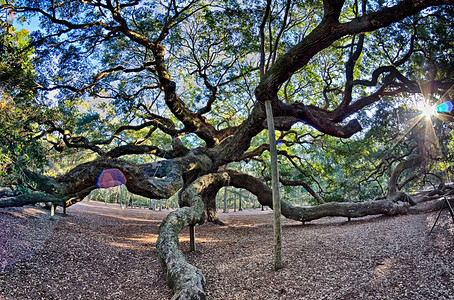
(440, 109)
(431, 141)
(428, 110)
(412, 123)
(447, 96)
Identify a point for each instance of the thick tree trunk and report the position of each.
(186, 280)
(209, 198)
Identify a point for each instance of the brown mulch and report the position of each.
(95, 252)
(104, 252)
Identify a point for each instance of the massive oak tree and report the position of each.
(172, 92)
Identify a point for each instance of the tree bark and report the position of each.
(22, 200)
(158, 180)
(209, 199)
(186, 280)
(309, 213)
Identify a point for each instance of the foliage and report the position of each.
(102, 85)
(18, 110)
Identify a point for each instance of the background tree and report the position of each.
(19, 110)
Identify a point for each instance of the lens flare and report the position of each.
(110, 178)
(445, 107)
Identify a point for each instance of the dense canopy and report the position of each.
(172, 94)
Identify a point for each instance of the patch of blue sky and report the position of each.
(31, 24)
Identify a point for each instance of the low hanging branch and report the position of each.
(305, 214)
(156, 180)
(22, 200)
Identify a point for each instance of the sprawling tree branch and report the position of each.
(30, 199)
(298, 56)
(305, 185)
(304, 214)
(199, 172)
(158, 180)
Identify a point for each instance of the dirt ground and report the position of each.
(104, 252)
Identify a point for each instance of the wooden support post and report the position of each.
(52, 210)
(275, 188)
(225, 201)
(121, 196)
(192, 237)
(240, 206)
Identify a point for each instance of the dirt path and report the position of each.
(103, 252)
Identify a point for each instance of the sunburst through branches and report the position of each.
(430, 107)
